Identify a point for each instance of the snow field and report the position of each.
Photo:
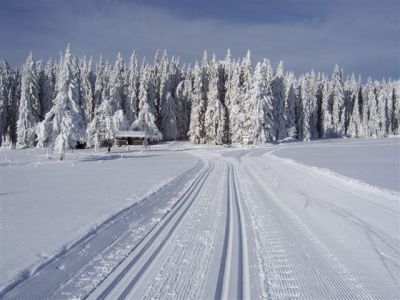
(47, 205)
(242, 223)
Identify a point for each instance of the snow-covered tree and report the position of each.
(245, 86)
(196, 129)
(64, 125)
(86, 89)
(183, 94)
(382, 108)
(314, 105)
(215, 114)
(146, 119)
(118, 92)
(372, 117)
(278, 106)
(214, 102)
(30, 110)
(326, 112)
(396, 108)
(355, 124)
(306, 95)
(337, 99)
(235, 108)
(131, 108)
(261, 103)
(47, 85)
(169, 122)
(102, 130)
(5, 76)
(290, 106)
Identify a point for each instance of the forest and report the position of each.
(77, 102)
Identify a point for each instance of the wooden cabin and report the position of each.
(124, 138)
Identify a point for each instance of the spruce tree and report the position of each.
(146, 120)
(64, 125)
(278, 90)
(29, 107)
(337, 99)
(215, 114)
(197, 130)
(131, 106)
(290, 106)
(261, 99)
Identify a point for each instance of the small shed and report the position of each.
(130, 137)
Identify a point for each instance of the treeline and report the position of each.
(74, 101)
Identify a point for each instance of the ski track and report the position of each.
(190, 252)
(279, 229)
(49, 281)
(142, 258)
(233, 272)
(190, 240)
(276, 240)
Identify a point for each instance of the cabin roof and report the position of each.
(133, 133)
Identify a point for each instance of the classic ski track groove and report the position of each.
(190, 251)
(151, 239)
(27, 288)
(234, 225)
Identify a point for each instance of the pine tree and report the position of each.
(29, 106)
(326, 111)
(278, 90)
(382, 107)
(215, 114)
(245, 106)
(337, 99)
(372, 118)
(47, 84)
(197, 130)
(290, 106)
(146, 119)
(306, 95)
(169, 122)
(396, 108)
(355, 124)
(184, 91)
(118, 92)
(132, 101)
(86, 89)
(100, 82)
(312, 95)
(261, 103)
(64, 125)
(216, 102)
(5, 76)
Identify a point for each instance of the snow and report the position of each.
(46, 204)
(123, 134)
(243, 222)
(373, 161)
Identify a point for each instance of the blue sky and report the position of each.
(362, 36)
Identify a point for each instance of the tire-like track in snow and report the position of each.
(233, 272)
(149, 247)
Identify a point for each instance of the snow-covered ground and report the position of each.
(373, 161)
(235, 223)
(47, 204)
